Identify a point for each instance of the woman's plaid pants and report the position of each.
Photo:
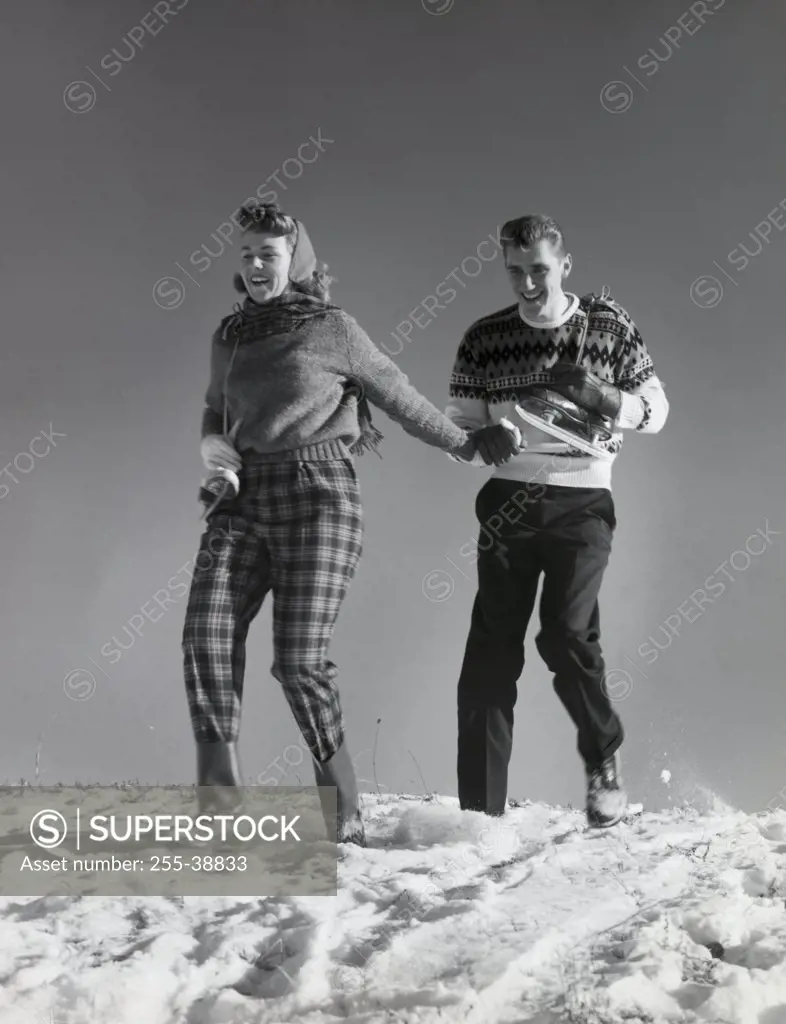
(295, 528)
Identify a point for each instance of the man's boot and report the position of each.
(218, 767)
(606, 797)
(345, 823)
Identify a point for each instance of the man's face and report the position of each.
(536, 276)
(265, 262)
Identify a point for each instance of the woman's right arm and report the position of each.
(387, 387)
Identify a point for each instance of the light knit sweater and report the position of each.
(294, 394)
(502, 355)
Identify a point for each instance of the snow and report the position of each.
(673, 916)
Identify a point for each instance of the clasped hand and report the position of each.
(497, 443)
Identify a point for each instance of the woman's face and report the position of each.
(265, 262)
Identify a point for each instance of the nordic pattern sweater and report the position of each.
(295, 394)
(502, 355)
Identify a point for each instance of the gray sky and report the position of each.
(435, 128)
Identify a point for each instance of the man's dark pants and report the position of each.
(528, 529)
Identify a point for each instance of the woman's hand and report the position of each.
(218, 453)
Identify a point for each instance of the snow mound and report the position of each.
(448, 916)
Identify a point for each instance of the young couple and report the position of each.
(292, 376)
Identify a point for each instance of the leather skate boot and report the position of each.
(345, 823)
(218, 767)
(606, 798)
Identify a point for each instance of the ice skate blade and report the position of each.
(564, 435)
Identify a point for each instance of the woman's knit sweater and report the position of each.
(292, 384)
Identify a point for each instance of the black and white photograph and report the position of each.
(393, 512)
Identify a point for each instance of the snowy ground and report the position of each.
(448, 916)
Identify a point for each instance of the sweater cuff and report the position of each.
(632, 411)
(212, 422)
(474, 460)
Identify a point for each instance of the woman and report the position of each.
(290, 378)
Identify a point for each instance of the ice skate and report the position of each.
(560, 418)
(221, 485)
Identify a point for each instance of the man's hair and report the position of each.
(268, 219)
(524, 232)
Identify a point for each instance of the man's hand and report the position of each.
(586, 389)
(497, 444)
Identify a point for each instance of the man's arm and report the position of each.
(644, 407)
(636, 400)
(468, 405)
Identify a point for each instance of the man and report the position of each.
(547, 509)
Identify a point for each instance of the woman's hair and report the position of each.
(268, 219)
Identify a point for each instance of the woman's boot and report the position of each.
(345, 822)
(219, 768)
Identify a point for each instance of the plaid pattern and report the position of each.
(296, 528)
